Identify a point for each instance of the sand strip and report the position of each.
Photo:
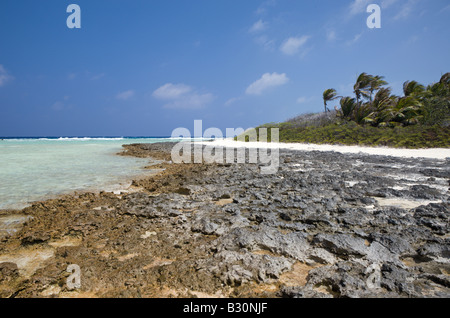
(431, 153)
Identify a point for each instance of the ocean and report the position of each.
(34, 169)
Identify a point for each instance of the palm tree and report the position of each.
(362, 112)
(405, 111)
(413, 88)
(348, 105)
(362, 85)
(381, 105)
(329, 95)
(375, 83)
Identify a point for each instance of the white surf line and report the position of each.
(431, 153)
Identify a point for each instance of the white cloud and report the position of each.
(125, 95)
(265, 82)
(4, 76)
(171, 91)
(181, 96)
(258, 26)
(359, 6)
(264, 7)
(292, 45)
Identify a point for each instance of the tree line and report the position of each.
(375, 105)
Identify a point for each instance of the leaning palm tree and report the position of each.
(375, 83)
(361, 88)
(406, 111)
(381, 105)
(413, 88)
(348, 105)
(329, 95)
(361, 113)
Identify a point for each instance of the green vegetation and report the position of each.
(375, 105)
(375, 117)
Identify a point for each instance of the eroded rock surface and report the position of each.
(325, 225)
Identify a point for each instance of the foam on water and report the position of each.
(35, 169)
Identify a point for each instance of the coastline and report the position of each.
(214, 230)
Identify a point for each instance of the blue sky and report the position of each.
(146, 67)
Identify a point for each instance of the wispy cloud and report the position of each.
(171, 91)
(331, 35)
(181, 96)
(233, 100)
(387, 3)
(266, 82)
(126, 95)
(359, 6)
(355, 39)
(265, 42)
(258, 26)
(406, 10)
(4, 76)
(292, 45)
(264, 7)
(445, 9)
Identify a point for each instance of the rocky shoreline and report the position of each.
(326, 225)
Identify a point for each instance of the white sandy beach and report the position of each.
(432, 153)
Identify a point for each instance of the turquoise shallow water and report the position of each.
(36, 169)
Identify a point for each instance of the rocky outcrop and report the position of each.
(326, 225)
